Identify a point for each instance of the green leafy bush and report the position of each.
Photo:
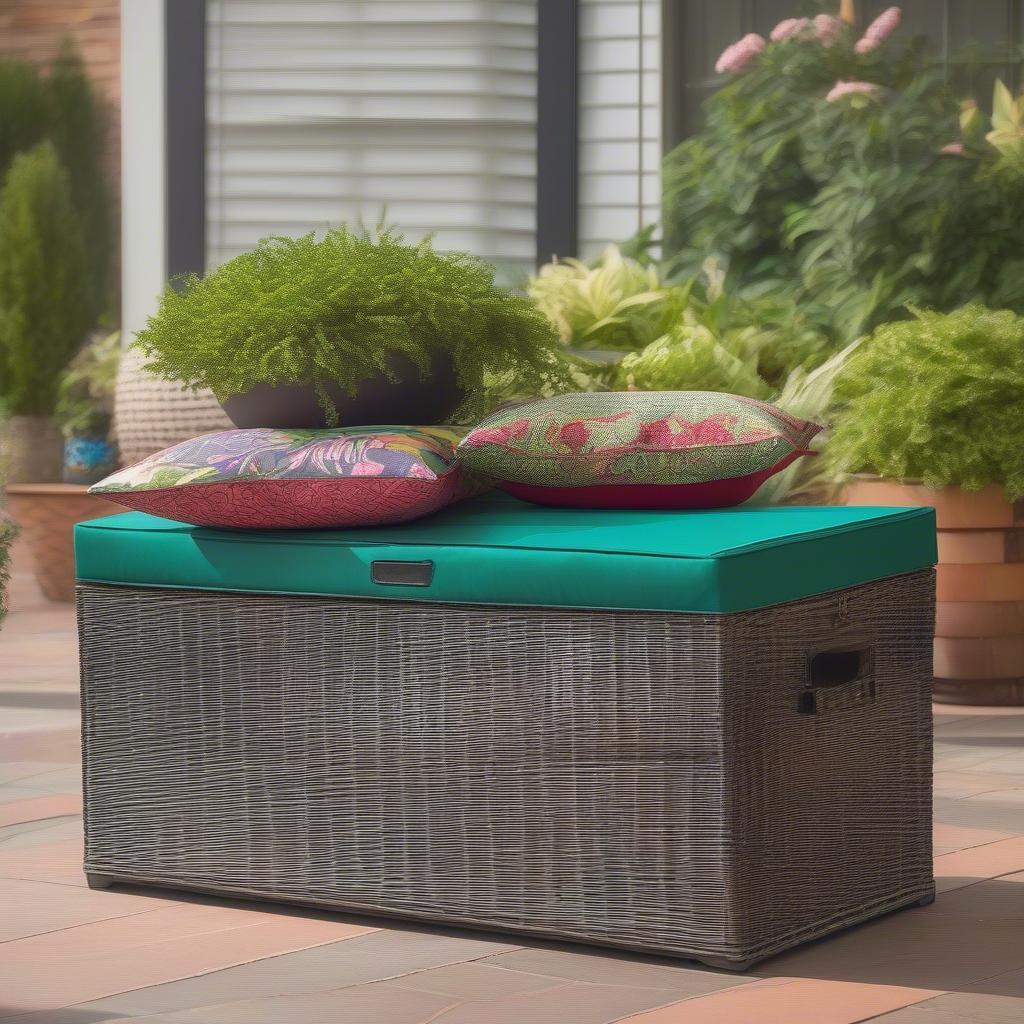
(838, 176)
(24, 109)
(309, 311)
(64, 108)
(939, 398)
(44, 282)
(78, 128)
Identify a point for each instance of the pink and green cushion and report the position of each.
(296, 479)
(637, 449)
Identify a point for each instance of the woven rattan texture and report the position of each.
(635, 779)
(151, 414)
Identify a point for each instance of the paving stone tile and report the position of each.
(476, 981)
(35, 808)
(962, 1008)
(965, 867)
(58, 779)
(363, 959)
(984, 726)
(615, 969)
(571, 1003)
(368, 1004)
(787, 1001)
(957, 942)
(951, 838)
(86, 963)
(960, 785)
(33, 908)
(20, 834)
(60, 745)
(988, 811)
(19, 772)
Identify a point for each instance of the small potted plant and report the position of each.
(350, 328)
(85, 410)
(931, 412)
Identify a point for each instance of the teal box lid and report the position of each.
(498, 550)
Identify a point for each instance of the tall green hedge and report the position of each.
(44, 282)
(63, 107)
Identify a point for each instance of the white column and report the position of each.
(143, 162)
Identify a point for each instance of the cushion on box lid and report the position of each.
(637, 449)
(294, 479)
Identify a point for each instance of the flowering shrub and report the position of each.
(835, 169)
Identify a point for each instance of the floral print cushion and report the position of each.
(665, 448)
(263, 478)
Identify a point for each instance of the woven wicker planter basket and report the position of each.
(151, 414)
(656, 781)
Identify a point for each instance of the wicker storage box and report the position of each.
(639, 756)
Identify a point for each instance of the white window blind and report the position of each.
(619, 120)
(326, 112)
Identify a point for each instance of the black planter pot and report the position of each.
(411, 400)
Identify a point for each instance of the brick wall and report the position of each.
(34, 30)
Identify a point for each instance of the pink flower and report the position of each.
(741, 54)
(827, 28)
(841, 89)
(954, 149)
(790, 28)
(879, 30)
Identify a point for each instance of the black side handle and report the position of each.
(838, 678)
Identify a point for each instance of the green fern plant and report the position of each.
(309, 311)
(937, 398)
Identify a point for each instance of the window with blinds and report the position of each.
(619, 120)
(327, 112)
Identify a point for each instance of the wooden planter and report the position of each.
(979, 627)
(47, 514)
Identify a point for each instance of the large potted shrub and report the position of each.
(931, 412)
(45, 310)
(45, 314)
(345, 329)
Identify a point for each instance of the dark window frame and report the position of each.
(185, 132)
(185, 135)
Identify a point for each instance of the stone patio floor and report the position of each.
(69, 955)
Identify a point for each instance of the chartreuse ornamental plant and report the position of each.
(313, 311)
(615, 304)
(938, 399)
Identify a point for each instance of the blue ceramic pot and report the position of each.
(88, 459)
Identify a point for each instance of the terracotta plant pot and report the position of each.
(410, 400)
(31, 448)
(979, 627)
(47, 514)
